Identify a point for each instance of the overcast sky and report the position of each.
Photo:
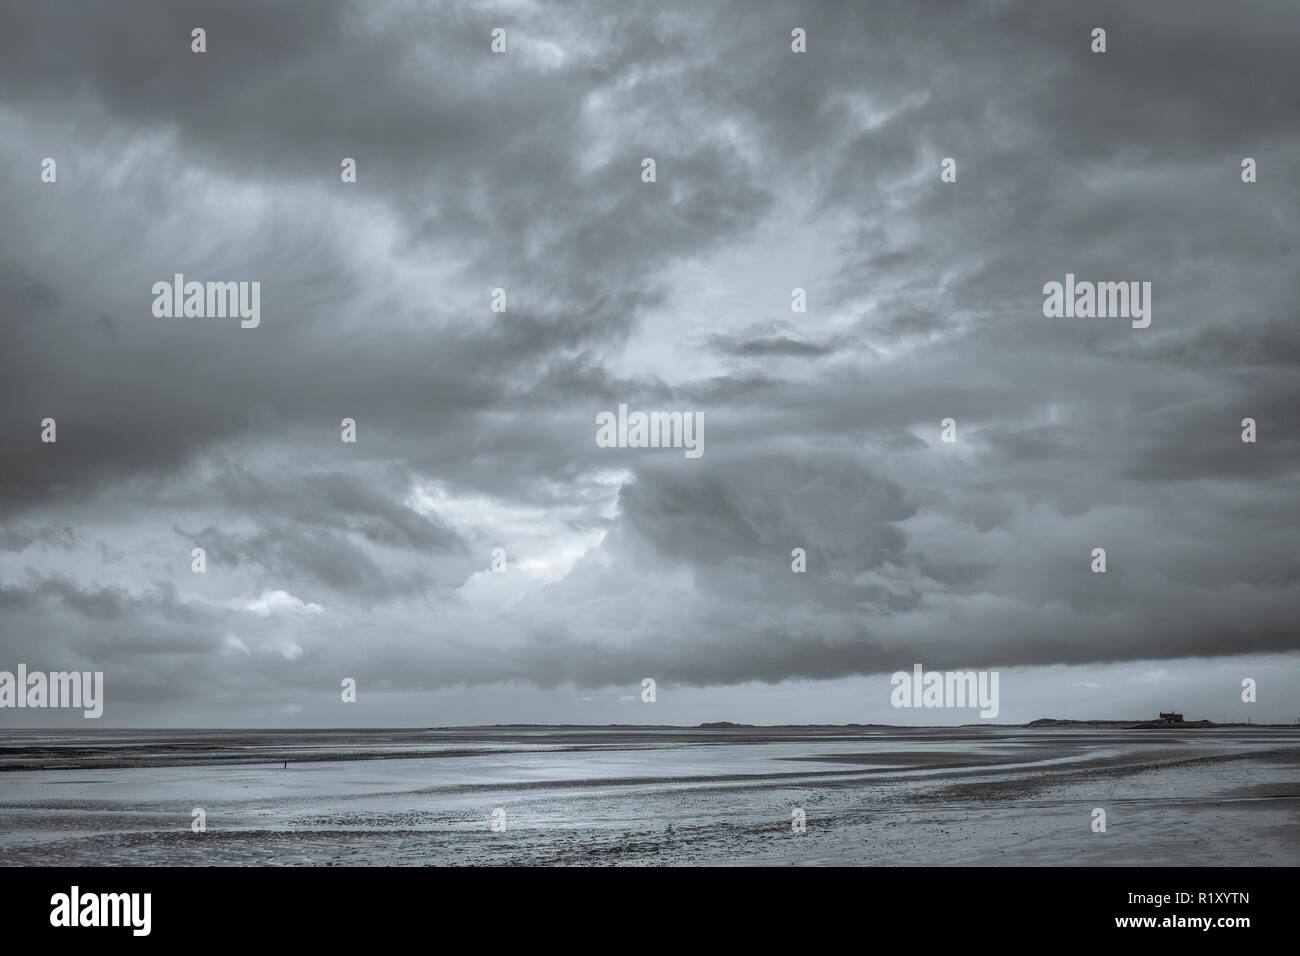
(476, 430)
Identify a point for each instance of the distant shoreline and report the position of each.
(1048, 722)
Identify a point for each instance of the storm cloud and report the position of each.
(476, 429)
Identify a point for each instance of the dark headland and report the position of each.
(1131, 724)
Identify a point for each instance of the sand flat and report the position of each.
(629, 796)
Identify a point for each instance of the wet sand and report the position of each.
(653, 796)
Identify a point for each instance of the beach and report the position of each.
(870, 796)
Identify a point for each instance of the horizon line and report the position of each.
(707, 725)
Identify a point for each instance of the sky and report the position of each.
(476, 430)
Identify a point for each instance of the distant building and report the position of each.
(1171, 717)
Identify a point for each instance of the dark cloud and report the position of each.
(769, 339)
(476, 428)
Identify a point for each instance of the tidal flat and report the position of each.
(869, 796)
